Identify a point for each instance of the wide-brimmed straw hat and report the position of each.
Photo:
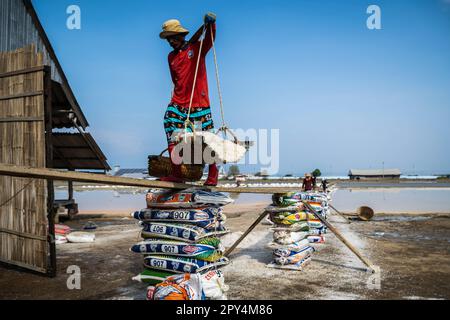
(172, 27)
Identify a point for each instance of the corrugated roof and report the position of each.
(374, 172)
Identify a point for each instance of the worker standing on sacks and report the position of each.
(188, 103)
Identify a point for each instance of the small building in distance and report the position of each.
(357, 174)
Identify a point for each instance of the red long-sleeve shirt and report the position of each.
(182, 65)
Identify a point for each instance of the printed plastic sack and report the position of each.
(299, 245)
(315, 224)
(305, 196)
(316, 239)
(287, 202)
(289, 218)
(288, 237)
(288, 256)
(208, 249)
(296, 227)
(297, 266)
(317, 232)
(191, 198)
(294, 208)
(318, 206)
(179, 287)
(180, 232)
(213, 285)
(194, 216)
(181, 265)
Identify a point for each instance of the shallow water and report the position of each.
(97, 200)
(409, 200)
(126, 199)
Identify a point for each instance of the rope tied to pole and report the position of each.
(188, 121)
(224, 126)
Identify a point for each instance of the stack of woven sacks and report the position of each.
(295, 228)
(181, 246)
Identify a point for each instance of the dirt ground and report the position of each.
(412, 252)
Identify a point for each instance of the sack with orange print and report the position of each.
(179, 287)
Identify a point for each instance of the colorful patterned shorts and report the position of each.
(176, 116)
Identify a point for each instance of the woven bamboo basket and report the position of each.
(365, 213)
(160, 166)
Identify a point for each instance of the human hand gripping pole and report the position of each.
(210, 18)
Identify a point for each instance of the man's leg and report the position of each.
(170, 127)
(176, 175)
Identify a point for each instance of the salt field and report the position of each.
(392, 200)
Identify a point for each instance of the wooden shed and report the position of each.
(41, 125)
(357, 174)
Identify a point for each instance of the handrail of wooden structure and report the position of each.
(52, 174)
(21, 72)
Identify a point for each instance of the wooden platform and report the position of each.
(51, 174)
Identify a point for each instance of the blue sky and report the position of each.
(343, 96)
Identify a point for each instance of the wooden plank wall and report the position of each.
(23, 201)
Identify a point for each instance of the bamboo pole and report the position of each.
(245, 234)
(339, 235)
(340, 213)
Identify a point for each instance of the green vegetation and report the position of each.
(316, 173)
(234, 170)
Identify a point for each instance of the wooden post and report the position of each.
(49, 164)
(70, 185)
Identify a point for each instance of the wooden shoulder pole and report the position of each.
(339, 235)
(52, 174)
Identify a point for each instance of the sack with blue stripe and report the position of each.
(290, 256)
(181, 265)
(193, 216)
(183, 232)
(208, 249)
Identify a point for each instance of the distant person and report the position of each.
(308, 182)
(183, 62)
(325, 185)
